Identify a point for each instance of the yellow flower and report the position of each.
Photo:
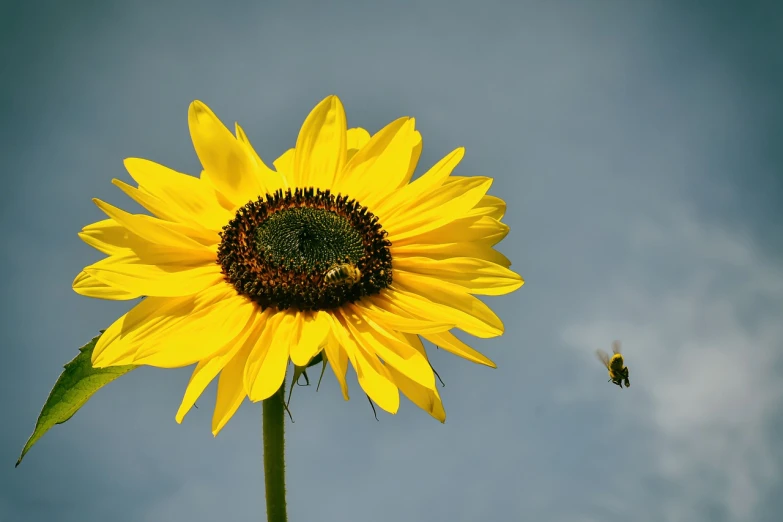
(233, 263)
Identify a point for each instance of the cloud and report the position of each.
(704, 348)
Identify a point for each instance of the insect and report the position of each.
(615, 365)
(342, 273)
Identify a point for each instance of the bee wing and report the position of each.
(616, 347)
(603, 357)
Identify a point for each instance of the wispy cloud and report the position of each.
(704, 348)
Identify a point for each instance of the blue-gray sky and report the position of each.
(638, 145)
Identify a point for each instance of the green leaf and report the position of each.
(78, 382)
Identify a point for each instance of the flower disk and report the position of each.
(335, 255)
(277, 251)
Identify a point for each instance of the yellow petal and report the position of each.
(231, 385)
(152, 316)
(152, 229)
(376, 381)
(111, 238)
(356, 138)
(207, 369)
(201, 336)
(285, 165)
(475, 275)
(387, 314)
(447, 251)
(231, 389)
(222, 200)
(379, 167)
(296, 328)
(451, 206)
(413, 305)
(375, 340)
(476, 318)
(453, 187)
(447, 341)
(185, 195)
(269, 180)
(444, 302)
(338, 361)
(315, 327)
(91, 287)
(268, 360)
(432, 179)
(181, 222)
(373, 376)
(167, 258)
(415, 341)
(258, 353)
(416, 146)
(154, 204)
(491, 206)
(483, 230)
(227, 164)
(321, 146)
(425, 398)
(157, 272)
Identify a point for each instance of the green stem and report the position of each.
(274, 455)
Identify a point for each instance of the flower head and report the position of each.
(335, 253)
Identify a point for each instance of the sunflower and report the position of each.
(334, 252)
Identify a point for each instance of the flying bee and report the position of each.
(615, 365)
(342, 273)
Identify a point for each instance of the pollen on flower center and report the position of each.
(308, 250)
(307, 236)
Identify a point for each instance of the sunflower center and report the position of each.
(306, 249)
(308, 236)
